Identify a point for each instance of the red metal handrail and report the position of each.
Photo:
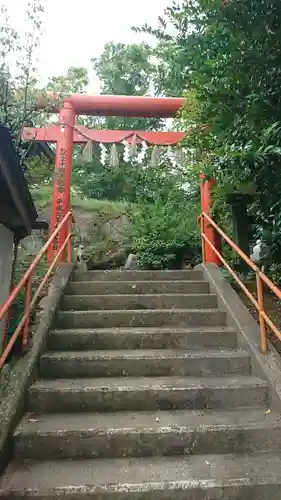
(64, 227)
(261, 279)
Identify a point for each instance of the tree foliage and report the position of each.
(18, 79)
(164, 231)
(225, 57)
(165, 234)
(75, 81)
(131, 182)
(38, 171)
(127, 70)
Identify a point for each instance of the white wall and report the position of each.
(6, 261)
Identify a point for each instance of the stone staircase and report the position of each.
(144, 394)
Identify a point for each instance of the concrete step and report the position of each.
(151, 301)
(140, 318)
(146, 393)
(219, 337)
(136, 287)
(199, 477)
(139, 434)
(176, 275)
(146, 363)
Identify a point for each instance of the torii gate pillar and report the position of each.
(62, 175)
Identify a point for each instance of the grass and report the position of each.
(42, 198)
(99, 205)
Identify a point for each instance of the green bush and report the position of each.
(165, 234)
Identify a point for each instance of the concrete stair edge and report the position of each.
(140, 317)
(203, 337)
(143, 362)
(140, 287)
(146, 393)
(147, 433)
(113, 275)
(166, 478)
(138, 302)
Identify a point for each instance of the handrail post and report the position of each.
(69, 243)
(263, 334)
(203, 243)
(26, 309)
(209, 256)
(261, 279)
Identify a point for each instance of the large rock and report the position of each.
(100, 229)
(102, 232)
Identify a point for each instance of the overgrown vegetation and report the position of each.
(165, 234)
(224, 57)
(18, 78)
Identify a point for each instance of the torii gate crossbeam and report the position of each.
(116, 105)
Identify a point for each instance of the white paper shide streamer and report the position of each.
(171, 157)
(103, 154)
(126, 154)
(155, 156)
(134, 147)
(87, 154)
(180, 156)
(142, 153)
(114, 156)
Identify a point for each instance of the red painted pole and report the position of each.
(28, 290)
(69, 122)
(62, 178)
(69, 243)
(209, 255)
(202, 220)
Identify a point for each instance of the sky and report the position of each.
(77, 30)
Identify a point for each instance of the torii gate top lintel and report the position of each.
(120, 105)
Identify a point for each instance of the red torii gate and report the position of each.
(67, 133)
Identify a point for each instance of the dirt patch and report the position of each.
(272, 307)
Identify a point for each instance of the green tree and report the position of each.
(18, 79)
(171, 52)
(228, 57)
(75, 81)
(38, 171)
(127, 70)
(161, 236)
(130, 182)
